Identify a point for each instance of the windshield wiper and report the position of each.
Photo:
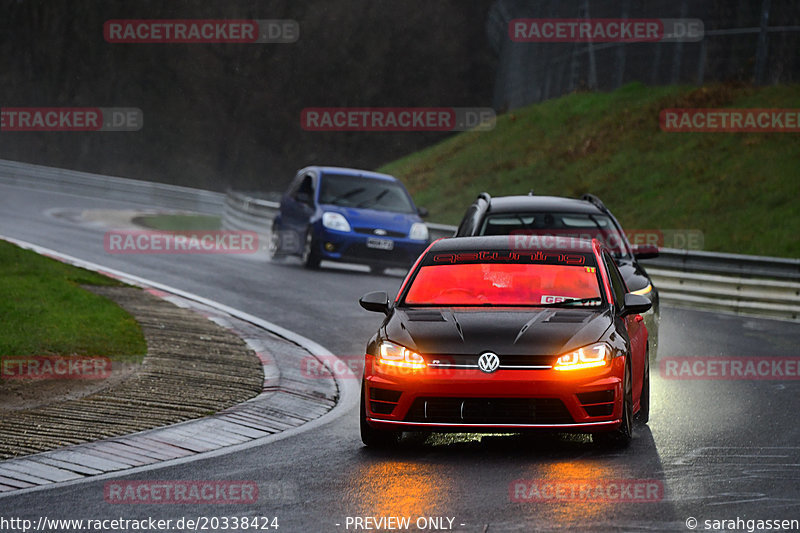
(348, 194)
(375, 200)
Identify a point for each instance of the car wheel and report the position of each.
(273, 245)
(310, 257)
(621, 436)
(371, 437)
(643, 416)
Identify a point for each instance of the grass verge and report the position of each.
(45, 311)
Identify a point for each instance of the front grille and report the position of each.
(489, 411)
(371, 231)
(520, 362)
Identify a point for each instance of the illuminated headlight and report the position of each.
(419, 232)
(395, 355)
(644, 291)
(595, 355)
(335, 221)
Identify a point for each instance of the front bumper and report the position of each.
(469, 400)
(352, 247)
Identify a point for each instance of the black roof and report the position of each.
(529, 204)
(504, 243)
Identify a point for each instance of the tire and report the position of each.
(371, 437)
(310, 257)
(273, 245)
(643, 416)
(621, 437)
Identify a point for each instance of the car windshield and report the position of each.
(365, 193)
(576, 225)
(505, 284)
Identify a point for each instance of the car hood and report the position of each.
(513, 331)
(372, 218)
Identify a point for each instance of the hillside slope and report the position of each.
(739, 189)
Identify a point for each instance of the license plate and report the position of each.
(380, 244)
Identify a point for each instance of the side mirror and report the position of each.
(423, 212)
(635, 304)
(645, 251)
(375, 301)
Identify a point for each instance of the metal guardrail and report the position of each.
(245, 213)
(112, 188)
(720, 263)
(733, 283)
(730, 283)
(732, 294)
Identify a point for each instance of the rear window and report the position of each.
(464, 280)
(576, 225)
(364, 193)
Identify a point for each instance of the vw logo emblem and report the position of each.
(488, 362)
(380, 232)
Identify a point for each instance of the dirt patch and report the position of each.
(18, 395)
(193, 368)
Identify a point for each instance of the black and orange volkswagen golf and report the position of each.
(484, 336)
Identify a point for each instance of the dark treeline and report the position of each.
(228, 115)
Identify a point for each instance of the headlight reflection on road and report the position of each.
(549, 503)
(401, 488)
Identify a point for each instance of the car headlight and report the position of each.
(335, 221)
(419, 232)
(591, 356)
(395, 355)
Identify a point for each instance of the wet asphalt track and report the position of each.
(720, 449)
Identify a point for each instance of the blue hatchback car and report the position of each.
(343, 214)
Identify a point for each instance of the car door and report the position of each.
(634, 325)
(297, 209)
